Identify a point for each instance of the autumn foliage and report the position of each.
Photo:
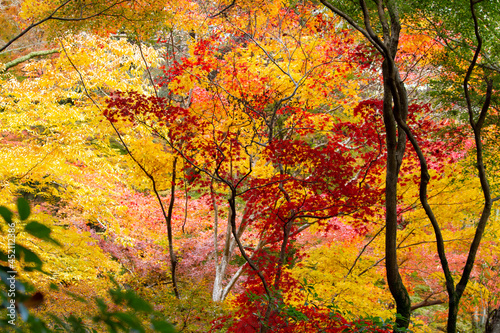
(227, 162)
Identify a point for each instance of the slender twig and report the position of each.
(224, 10)
(52, 17)
(76, 19)
(166, 216)
(186, 199)
(36, 164)
(147, 68)
(22, 33)
(362, 251)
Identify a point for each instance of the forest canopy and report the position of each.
(249, 166)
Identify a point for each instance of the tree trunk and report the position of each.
(396, 143)
(493, 322)
(220, 291)
(452, 312)
(168, 219)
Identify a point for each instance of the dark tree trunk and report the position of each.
(396, 143)
(493, 322)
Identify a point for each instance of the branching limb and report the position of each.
(428, 302)
(352, 23)
(477, 127)
(232, 205)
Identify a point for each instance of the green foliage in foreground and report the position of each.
(17, 297)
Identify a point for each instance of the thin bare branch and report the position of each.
(166, 216)
(31, 26)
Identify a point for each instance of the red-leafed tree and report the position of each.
(281, 161)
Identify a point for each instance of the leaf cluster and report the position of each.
(114, 320)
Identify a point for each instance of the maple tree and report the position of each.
(306, 193)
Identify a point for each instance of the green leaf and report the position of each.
(137, 303)
(103, 308)
(23, 208)
(3, 256)
(130, 320)
(58, 322)
(162, 326)
(40, 231)
(77, 297)
(28, 255)
(6, 214)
